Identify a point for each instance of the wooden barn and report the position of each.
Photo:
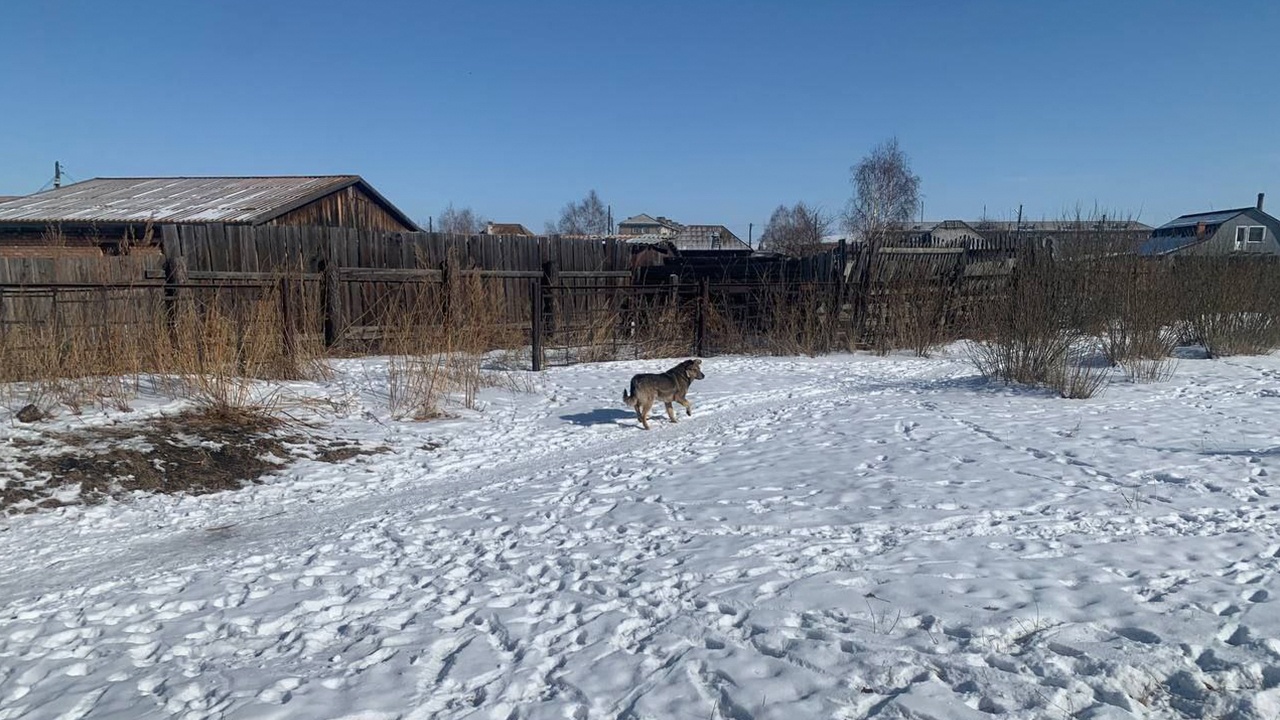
(111, 215)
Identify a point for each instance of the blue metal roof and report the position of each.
(1167, 244)
(1208, 218)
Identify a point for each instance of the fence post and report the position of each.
(704, 309)
(551, 301)
(842, 287)
(535, 321)
(862, 293)
(288, 331)
(952, 299)
(175, 276)
(332, 290)
(448, 269)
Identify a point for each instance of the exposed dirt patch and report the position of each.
(195, 453)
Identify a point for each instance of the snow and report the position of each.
(844, 537)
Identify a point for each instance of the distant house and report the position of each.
(938, 233)
(105, 212)
(1246, 230)
(648, 229)
(642, 224)
(507, 229)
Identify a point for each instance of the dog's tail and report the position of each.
(629, 396)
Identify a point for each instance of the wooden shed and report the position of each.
(109, 214)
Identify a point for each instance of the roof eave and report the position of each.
(355, 180)
(281, 210)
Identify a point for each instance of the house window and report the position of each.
(1249, 235)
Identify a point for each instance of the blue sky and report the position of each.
(707, 112)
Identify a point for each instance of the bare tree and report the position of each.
(795, 230)
(589, 217)
(885, 193)
(460, 221)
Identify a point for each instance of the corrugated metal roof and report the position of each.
(250, 200)
(692, 240)
(646, 239)
(1083, 225)
(1208, 218)
(708, 237)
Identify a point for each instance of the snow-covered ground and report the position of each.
(842, 537)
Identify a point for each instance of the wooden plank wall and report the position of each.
(510, 262)
(88, 283)
(238, 248)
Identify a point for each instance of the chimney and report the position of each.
(1260, 196)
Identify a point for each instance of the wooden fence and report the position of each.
(348, 285)
(370, 275)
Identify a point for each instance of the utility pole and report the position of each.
(57, 174)
(610, 207)
(750, 228)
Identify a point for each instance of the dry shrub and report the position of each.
(1137, 328)
(1026, 336)
(1080, 377)
(1229, 305)
(1149, 369)
(915, 302)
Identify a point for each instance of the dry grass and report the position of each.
(782, 319)
(436, 348)
(662, 326)
(214, 346)
(229, 348)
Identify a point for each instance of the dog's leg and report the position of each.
(642, 410)
(688, 406)
(670, 412)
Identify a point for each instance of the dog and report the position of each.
(669, 387)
